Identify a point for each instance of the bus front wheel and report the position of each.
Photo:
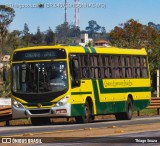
(128, 114)
(87, 117)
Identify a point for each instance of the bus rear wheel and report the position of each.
(128, 114)
(40, 121)
(87, 117)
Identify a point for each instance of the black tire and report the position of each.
(119, 116)
(40, 121)
(128, 114)
(87, 117)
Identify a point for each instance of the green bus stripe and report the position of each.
(78, 93)
(93, 50)
(99, 106)
(86, 50)
(121, 90)
(95, 90)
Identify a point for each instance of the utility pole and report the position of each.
(158, 82)
(76, 13)
(65, 14)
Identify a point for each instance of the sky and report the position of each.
(107, 13)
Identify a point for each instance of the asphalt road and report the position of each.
(151, 138)
(19, 130)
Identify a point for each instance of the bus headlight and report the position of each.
(17, 104)
(63, 101)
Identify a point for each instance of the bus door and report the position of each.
(76, 89)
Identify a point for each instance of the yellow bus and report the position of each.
(81, 82)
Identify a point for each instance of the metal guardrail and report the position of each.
(154, 104)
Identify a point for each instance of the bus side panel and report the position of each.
(101, 107)
(119, 106)
(107, 103)
(79, 96)
(77, 110)
(115, 94)
(141, 104)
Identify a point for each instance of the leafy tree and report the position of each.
(103, 30)
(26, 29)
(13, 40)
(102, 35)
(66, 31)
(62, 31)
(50, 37)
(133, 34)
(6, 17)
(74, 31)
(92, 28)
(38, 37)
(154, 26)
(90, 44)
(26, 35)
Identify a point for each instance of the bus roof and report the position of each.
(94, 50)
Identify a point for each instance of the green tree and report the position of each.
(154, 26)
(38, 37)
(66, 32)
(92, 28)
(6, 17)
(26, 35)
(129, 34)
(133, 34)
(90, 44)
(50, 37)
(13, 41)
(74, 31)
(102, 35)
(103, 30)
(62, 31)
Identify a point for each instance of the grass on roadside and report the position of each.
(146, 112)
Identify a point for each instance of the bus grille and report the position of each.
(42, 111)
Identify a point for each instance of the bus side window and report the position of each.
(95, 67)
(128, 67)
(123, 67)
(144, 68)
(85, 71)
(92, 68)
(106, 61)
(116, 67)
(138, 71)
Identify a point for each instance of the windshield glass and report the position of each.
(39, 77)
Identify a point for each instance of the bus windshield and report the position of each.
(39, 77)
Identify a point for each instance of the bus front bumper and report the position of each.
(61, 111)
